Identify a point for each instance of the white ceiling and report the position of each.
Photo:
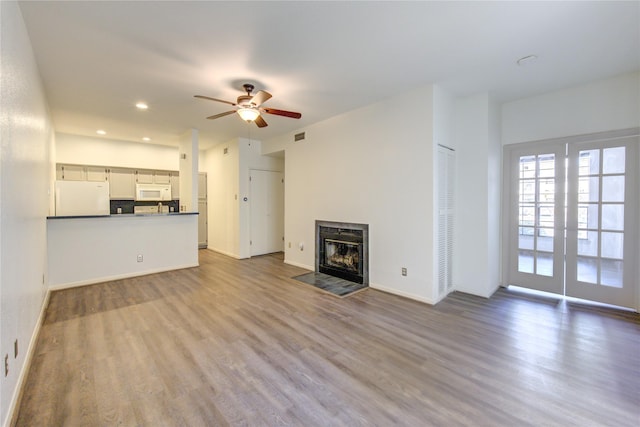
(97, 59)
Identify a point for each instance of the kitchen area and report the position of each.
(111, 223)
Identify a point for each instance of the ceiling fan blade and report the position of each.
(284, 113)
(213, 99)
(226, 113)
(260, 97)
(260, 122)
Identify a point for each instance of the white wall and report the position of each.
(603, 105)
(476, 267)
(84, 150)
(188, 160)
(228, 185)
(26, 137)
(251, 158)
(83, 251)
(373, 165)
(223, 198)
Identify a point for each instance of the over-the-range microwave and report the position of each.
(153, 192)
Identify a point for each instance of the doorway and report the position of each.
(571, 216)
(266, 189)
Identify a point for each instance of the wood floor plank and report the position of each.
(239, 342)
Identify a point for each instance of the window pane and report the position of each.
(588, 215)
(527, 190)
(545, 218)
(588, 189)
(589, 162)
(588, 245)
(611, 273)
(545, 243)
(525, 238)
(528, 167)
(587, 270)
(525, 261)
(544, 265)
(546, 190)
(613, 160)
(527, 215)
(613, 217)
(612, 245)
(546, 165)
(613, 188)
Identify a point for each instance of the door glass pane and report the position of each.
(527, 191)
(613, 217)
(613, 188)
(527, 215)
(545, 242)
(589, 162)
(587, 270)
(527, 167)
(546, 190)
(546, 165)
(525, 238)
(545, 219)
(525, 261)
(612, 245)
(588, 189)
(588, 245)
(544, 264)
(611, 273)
(613, 160)
(588, 215)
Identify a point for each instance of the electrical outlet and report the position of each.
(404, 271)
(140, 258)
(289, 244)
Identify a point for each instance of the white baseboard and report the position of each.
(117, 277)
(296, 264)
(229, 254)
(17, 393)
(402, 294)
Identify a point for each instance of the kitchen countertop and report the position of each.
(124, 215)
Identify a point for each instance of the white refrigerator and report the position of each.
(82, 198)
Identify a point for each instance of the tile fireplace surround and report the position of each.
(346, 234)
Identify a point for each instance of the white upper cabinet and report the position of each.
(97, 173)
(175, 185)
(70, 172)
(122, 184)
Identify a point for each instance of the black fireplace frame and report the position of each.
(347, 232)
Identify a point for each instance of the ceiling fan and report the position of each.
(249, 107)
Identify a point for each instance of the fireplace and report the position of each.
(342, 250)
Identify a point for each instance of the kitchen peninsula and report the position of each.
(83, 250)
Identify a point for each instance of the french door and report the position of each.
(572, 218)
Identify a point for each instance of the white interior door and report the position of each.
(267, 211)
(602, 221)
(535, 185)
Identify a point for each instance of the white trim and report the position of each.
(402, 293)
(117, 277)
(22, 377)
(296, 264)
(587, 137)
(229, 254)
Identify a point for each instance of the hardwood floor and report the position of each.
(241, 343)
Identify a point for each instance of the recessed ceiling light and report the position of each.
(101, 132)
(146, 138)
(526, 60)
(141, 106)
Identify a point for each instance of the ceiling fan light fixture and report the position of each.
(248, 114)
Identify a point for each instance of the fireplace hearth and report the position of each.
(342, 250)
